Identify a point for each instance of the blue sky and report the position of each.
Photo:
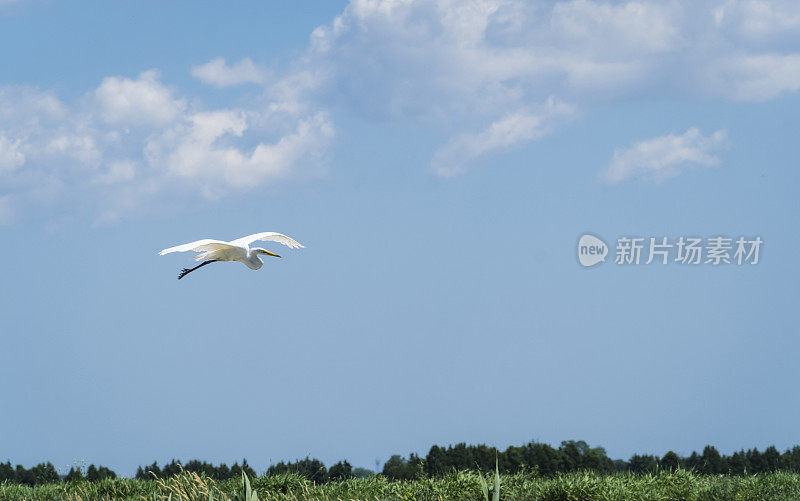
(439, 160)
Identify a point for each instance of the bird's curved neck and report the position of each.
(253, 257)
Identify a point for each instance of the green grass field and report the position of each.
(680, 485)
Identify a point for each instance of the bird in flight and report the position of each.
(212, 251)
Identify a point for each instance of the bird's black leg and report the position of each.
(186, 271)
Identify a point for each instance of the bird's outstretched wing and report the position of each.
(269, 236)
(206, 244)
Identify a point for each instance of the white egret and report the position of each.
(212, 251)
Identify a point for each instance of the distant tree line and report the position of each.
(313, 469)
(221, 472)
(535, 456)
(543, 458)
(711, 462)
(577, 455)
(45, 473)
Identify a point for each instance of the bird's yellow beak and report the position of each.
(271, 254)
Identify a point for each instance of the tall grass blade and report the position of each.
(496, 493)
(484, 486)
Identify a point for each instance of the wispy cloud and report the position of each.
(758, 20)
(756, 78)
(512, 130)
(663, 157)
(10, 155)
(219, 74)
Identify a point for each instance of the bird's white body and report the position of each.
(242, 253)
(235, 250)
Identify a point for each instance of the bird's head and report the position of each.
(259, 250)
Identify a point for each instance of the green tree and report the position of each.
(596, 459)
(436, 462)
(398, 468)
(772, 459)
(513, 460)
(790, 460)
(106, 473)
(737, 463)
(91, 474)
(692, 462)
(620, 465)
(755, 460)
(545, 458)
(484, 457)
(340, 471)
(572, 452)
(460, 457)
(153, 470)
(643, 464)
(363, 473)
(23, 476)
(171, 469)
(312, 469)
(670, 461)
(6, 472)
(74, 474)
(711, 463)
(223, 472)
(45, 473)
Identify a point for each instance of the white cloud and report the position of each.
(118, 171)
(217, 72)
(81, 147)
(757, 78)
(629, 27)
(200, 151)
(410, 57)
(10, 155)
(131, 140)
(144, 101)
(663, 157)
(482, 62)
(19, 102)
(517, 128)
(759, 20)
(407, 58)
